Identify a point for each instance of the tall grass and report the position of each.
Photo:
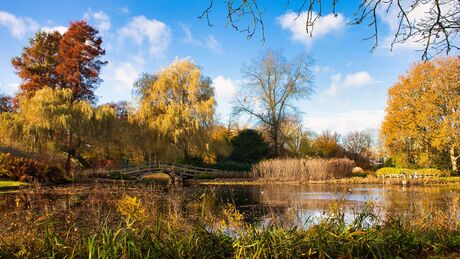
(303, 169)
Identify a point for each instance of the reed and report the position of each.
(303, 169)
(113, 224)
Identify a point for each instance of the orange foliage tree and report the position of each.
(80, 53)
(423, 114)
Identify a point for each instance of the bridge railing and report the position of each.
(188, 169)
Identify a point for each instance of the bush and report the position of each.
(388, 171)
(303, 169)
(27, 170)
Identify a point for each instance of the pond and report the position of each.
(259, 204)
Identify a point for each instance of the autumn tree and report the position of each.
(271, 85)
(51, 122)
(6, 103)
(37, 64)
(326, 145)
(80, 62)
(179, 104)
(422, 119)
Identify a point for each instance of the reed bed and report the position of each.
(303, 169)
(130, 223)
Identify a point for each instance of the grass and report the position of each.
(10, 184)
(117, 225)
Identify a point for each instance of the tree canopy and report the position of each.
(422, 121)
(179, 104)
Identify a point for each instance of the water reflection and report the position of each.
(312, 200)
(260, 204)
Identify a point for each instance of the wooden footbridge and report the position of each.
(177, 172)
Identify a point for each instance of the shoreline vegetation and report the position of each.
(133, 223)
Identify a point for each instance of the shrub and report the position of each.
(249, 147)
(303, 169)
(388, 171)
(26, 170)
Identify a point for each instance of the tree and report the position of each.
(37, 64)
(52, 122)
(272, 83)
(434, 24)
(179, 104)
(358, 142)
(327, 145)
(423, 114)
(80, 53)
(6, 103)
(249, 147)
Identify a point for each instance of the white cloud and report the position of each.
(126, 75)
(60, 29)
(100, 20)
(18, 26)
(324, 25)
(355, 80)
(209, 42)
(225, 87)
(140, 30)
(346, 122)
(225, 90)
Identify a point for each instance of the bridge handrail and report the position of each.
(163, 165)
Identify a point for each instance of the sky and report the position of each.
(350, 83)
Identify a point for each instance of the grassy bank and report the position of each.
(115, 225)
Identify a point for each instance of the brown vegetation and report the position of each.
(303, 169)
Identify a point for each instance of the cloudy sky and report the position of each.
(142, 36)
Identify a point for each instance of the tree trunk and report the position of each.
(454, 159)
(67, 163)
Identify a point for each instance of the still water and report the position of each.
(258, 203)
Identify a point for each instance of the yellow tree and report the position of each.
(52, 122)
(179, 104)
(423, 113)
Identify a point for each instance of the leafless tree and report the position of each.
(271, 84)
(434, 24)
(358, 142)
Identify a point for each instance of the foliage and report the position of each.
(6, 103)
(387, 171)
(327, 145)
(51, 122)
(272, 85)
(27, 170)
(422, 126)
(37, 64)
(179, 104)
(248, 147)
(80, 61)
(303, 169)
(60, 61)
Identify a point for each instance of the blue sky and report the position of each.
(143, 36)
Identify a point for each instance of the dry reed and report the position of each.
(303, 169)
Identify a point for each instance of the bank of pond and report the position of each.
(148, 220)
